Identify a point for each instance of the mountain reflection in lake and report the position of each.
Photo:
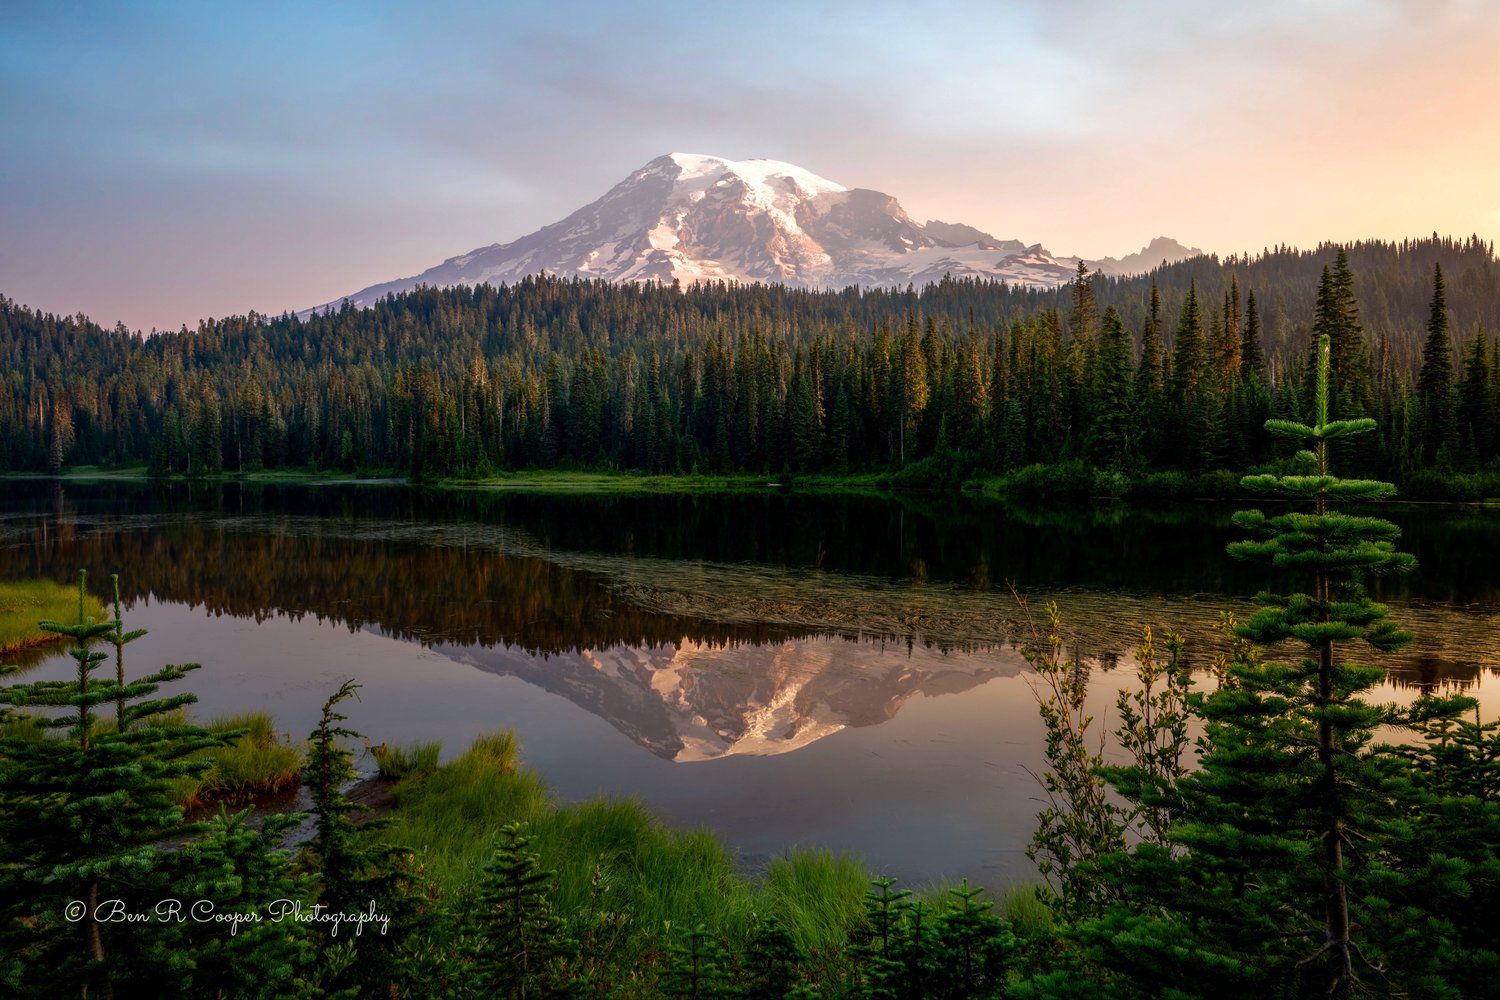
(785, 669)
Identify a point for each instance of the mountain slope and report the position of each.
(687, 217)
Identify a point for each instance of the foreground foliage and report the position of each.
(1300, 857)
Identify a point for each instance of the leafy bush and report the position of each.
(944, 470)
(1067, 480)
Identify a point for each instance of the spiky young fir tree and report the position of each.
(519, 944)
(79, 820)
(119, 638)
(1308, 718)
(1111, 434)
(1435, 379)
(354, 875)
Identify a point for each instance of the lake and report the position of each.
(786, 669)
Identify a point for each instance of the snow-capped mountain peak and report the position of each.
(691, 217)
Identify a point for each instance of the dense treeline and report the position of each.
(1176, 370)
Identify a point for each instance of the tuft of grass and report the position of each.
(406, 760)
(256, 763)
(451, 817)
(1028, 913)
(817, 895)
(23, 603)
(615, 856)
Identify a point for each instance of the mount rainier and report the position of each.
(687, 217)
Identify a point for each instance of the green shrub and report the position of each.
(944, 470)
(1066, 480)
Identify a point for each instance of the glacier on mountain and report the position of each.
(688, 217)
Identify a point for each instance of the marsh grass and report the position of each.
(407, 759)
(617, 857)
(21, 726)
(618, 867)
(255, 764)
(451, 817)
(23, 603)
(1028, 914)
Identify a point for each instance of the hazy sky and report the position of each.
(170, 161)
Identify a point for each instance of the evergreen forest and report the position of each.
(1172, 372)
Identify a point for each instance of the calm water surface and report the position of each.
(785, 669)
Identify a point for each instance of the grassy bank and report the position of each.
(626, 885)
(621, 872)
(24, 603)
(1069, 481)
(256, 764)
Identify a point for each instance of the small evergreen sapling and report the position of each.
(974, 950)
(772, 961)
(520, 947)
(118, 638)
(878, 947)
(80, 818)
(696, 966)
(354, 876)
(1327, 791)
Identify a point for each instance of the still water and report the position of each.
(785, 669)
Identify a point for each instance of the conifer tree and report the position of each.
(771, 960)
(881, 939)
(1113, 422)
(1435, 380)
(1326, 796)
(975, 950)
(1252, 352)
(354, 876)
(696, 965)
(1336, 317)
(119, 638)
(1151, 384)
(1477, 403)
(912, 387)
(1189, 354)
(1083, 350)
(520, 946)
(79, 820)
